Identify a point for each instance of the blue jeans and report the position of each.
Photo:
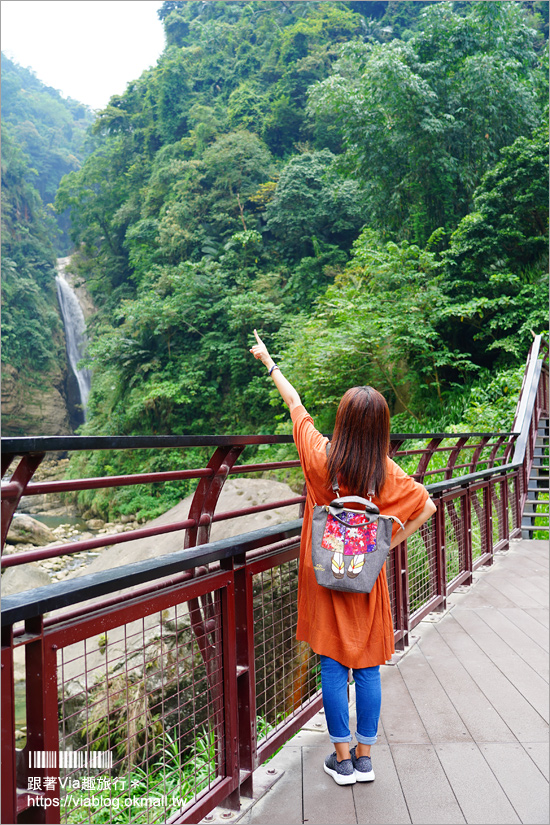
(368, 698)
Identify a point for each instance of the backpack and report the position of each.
(358, 541)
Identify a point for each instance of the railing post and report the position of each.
(487, 525)
(440, 557)
(42, 725)
(505, 514)
(425, 459)
(453, 455)
(402, 576)
(246, 750)
(467, 523)
(9, 792)
(517, 498)
(22, 475)
(230, 691)
(202, 510)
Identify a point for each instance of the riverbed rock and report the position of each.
(24, 577)
(27, 530)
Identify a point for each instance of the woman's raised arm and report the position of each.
(288, 393)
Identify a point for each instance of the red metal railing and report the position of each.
(184, 670)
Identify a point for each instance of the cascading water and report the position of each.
(75, 332)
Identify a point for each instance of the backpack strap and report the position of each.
(335, 487)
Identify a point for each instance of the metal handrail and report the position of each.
(23, 445)
(30, 603)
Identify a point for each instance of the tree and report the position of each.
(29, 320)
(423, 120)
(49, 129)
(497, 261)
(377, 324)
(312, 201)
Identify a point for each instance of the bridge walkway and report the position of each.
(464, 728)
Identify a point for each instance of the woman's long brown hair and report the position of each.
(360, 442)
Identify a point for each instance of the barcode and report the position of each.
(70, 759)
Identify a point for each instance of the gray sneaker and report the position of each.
(342, 772)
(362, 767)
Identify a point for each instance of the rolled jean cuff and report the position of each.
(366, 740)
(338, 739)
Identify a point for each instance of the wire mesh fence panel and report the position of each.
(511, 509)
(477, 519)
(454, 538)
(422, 566)
(141, 719)
(514, 497)
(390, 574)
(287, 671)
(497, 512)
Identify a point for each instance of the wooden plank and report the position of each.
(531, 652)
(509, 590)
(534, 546)
(524, 567)
(517, 586)
(436, 710)
(525, 786)
(542, 559)
(282, 802)
(471, 703)
(381, 802)
(530, 564)
(539, 614)
(324, 802)
(540, 754)
(528, 625)
(485, 595)
(522, 719)
(520, 673)
(478, 792)
(428, 793)
(400, 718)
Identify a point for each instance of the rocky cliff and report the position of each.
(35, 404)
(44, 403)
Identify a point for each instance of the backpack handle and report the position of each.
(337, 504)
(368, 504)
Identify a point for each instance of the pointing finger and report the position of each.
(258, 339)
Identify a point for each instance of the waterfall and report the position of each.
(75, 331)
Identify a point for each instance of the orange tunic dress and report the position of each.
(356, 629)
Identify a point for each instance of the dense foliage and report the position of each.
(421, 120)
(29, 319)
(49, 129)
(233, 179)
(42, 139)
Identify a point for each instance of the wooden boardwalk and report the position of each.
(464, 728)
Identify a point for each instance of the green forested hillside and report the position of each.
(28, 267)
(42, 139)
(49, 129)
(302, 169)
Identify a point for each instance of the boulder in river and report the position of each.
(27, 530)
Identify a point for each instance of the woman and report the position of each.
(349, 630)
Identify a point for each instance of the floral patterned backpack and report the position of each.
(349, 547)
